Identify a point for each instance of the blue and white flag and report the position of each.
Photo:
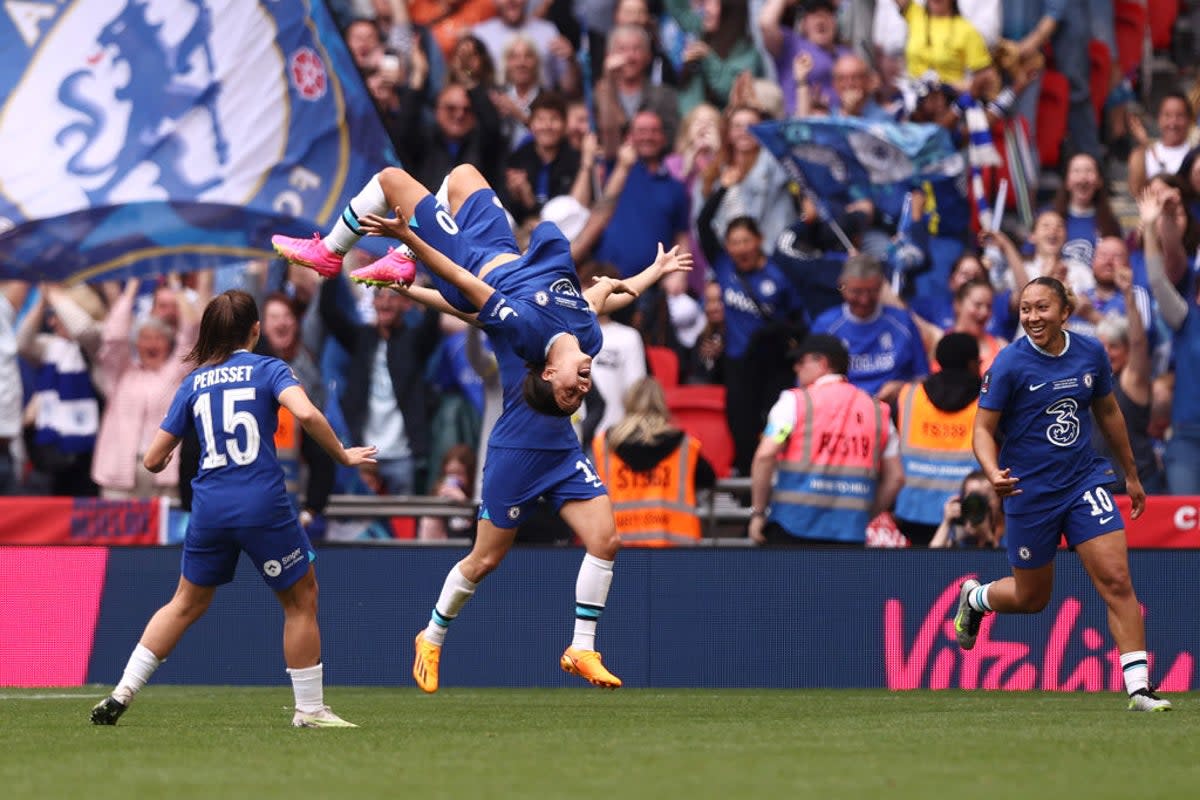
(141, 137)
(843, 159)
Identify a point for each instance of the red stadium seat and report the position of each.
(1130, 26)
(1053, 104)
(1101, 66)
(664, 365)
(700, 411)
(1162, 14)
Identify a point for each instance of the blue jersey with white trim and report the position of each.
(885, 348)
(537, 297)
(234, 408)
(1045, 429)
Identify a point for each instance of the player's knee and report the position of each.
(483, 564)
(606, 544)
(1114, 584)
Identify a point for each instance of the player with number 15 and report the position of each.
(239, 503)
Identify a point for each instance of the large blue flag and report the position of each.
(842, 159)
(150, 136)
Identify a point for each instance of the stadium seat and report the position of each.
(1053, 103)
(1101, 67)
(700, 411)
(1130, 28)
(1162, 15)
(664, 365)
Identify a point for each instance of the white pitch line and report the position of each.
(48, 696)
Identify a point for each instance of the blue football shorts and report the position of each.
(514, 479)
(1032, 539)
(281, 553)
(479, 232)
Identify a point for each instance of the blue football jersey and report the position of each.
(234, 408)
(1045, 429)
(885, 348)
(747, 296)
(536, 298)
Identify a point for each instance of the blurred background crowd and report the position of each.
(628, 123)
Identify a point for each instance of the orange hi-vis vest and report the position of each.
(829, 470)
(935, 448)
(287, 450)
(655, 508)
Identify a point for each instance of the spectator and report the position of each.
(721, 50)
(884, 343)
(521, 87)
(763, 314)
(1107, 298)
(455, 482)
(385, 398)
(546, 166)
(1180, 310)
(559, 69)
(934, 312)
(621, 362)
(579, 123)
(973, 303)
(935, 418)
(296, 338)
(466, 130)
(1165, 154)
(364, 40)
(12, 297)
(449, 21)
(972, 518)
(942, 41)
(470, 64)
(687, 315)
(817, 38)
(637, 13)
(754, 183)
(625, 89)
(653, 207)
(65, 406)
(1082, 202)
(139, 392)
(1129, 351)
(1189, 179)
(707, 362)
(696, 149)
(824, 494)
(652, 471)
(852, 90)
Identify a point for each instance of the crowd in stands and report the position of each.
(628, 123)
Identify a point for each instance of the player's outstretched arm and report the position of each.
(159, 453)
(476, 291)
(295, 400)
(606, 300)
(432, 298)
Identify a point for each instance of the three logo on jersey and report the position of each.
(1064, 431)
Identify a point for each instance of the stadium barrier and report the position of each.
(1168, 522)
(696, 617)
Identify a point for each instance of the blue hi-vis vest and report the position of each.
(828, 473)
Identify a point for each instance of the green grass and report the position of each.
(223, 743)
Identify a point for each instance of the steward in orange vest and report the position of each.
(936, 418)
(653, 488)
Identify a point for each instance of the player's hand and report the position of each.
(616, 286)
(1137, 495)
(353, 456)
(394, 227)
(1004, 483)
(668, 261)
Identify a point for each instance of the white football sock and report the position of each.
(346, 231)
(456, 591)
(308, 687)
(1135, 667)
(591, 593)
(141, 665)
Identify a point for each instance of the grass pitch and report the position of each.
(223, 743)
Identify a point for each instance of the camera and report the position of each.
(975, 508)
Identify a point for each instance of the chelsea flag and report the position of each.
(141, 137)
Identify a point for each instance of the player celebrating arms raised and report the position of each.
(239, 503)
(544, 331)
(1036, 398)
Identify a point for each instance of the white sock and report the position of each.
(978, 598)
(308, 687)
(346, 231)
(456, 591)
(1136, 669)
(591, 593)
(443, 193)
(141, 665)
